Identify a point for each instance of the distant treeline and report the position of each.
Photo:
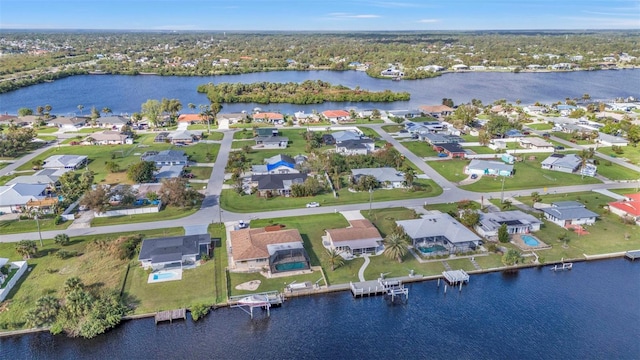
(308, 92)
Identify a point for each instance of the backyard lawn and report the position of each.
(96, 266)
(251, 203)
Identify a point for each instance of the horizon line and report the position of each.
(316, 31)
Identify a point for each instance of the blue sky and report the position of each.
(324, 15)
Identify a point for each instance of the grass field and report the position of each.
(629, 153)
(392, 128)
(168, 213)
(452, 170)
(540, 126)
(231, 201)
(420, 148)
(95, 266)
(23, 226)
(480, 149)
(616, 172)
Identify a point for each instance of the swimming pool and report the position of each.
(530, 240)
(164, 276)
(291, 266)
(431, 249)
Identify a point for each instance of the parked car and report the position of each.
(474, 176)
(443, 155)
(313, 204)
(559, 147)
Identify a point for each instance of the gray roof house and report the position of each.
(44, 176)
(169, 172)
(277, 184)
(346, 135)
(568, 163)
(173, 252)
(517, 222)
(440, 229)
(355, 147)
(69, 123)
(65, 162)
(112, 121)
(569, 213)
(272, 141)
(387, 177)
(484, 167)
(16, 196)
(610, 140)
(166, 157)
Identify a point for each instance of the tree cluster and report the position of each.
(310, 187)
(307, 92)
(16, 140)
(174, 192)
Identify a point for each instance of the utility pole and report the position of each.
(502, 191)
(370, 199)
(39, 233)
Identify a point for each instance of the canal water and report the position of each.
(125, 94)
(590, 312)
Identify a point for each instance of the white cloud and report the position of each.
(353, 16)
(428, 21)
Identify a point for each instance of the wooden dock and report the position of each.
(562, 267)
(264, 300)
(171, 315)
(632, 255)
(392, 288)
(454, 278)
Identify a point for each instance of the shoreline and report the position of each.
(346, 287)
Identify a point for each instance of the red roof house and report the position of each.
(629, 207)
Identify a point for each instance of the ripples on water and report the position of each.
(125, 94)
(591, 312)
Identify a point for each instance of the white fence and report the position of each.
(22, 267)
(133, 211)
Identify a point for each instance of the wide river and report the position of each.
(590, 312)
(125, 94)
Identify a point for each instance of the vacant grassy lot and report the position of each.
(392, 128)
(251, 203)
(540, 126)
(629, 153)
(23, 226)
(480, 149)
(200, 172)
(452, 170)
(96, 266)
(616, 172)
(420, 148)
(568, 137)
(168, 213)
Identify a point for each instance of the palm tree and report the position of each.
(26, 248)
(396, 246)
(506, 205)
(106, 111)
(409, 176)
(45, 312)
(73, 283)
(191, 106)
(334, 259)
(80, 107)
(62, 239)
(584, 156)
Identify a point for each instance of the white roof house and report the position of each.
(484, 167)
(610, 140)
(15, 197)
(516, 221)
(65, 162)
(440, 228)
(536, 143)
(567, 163)
(568, 213)
(388, 177)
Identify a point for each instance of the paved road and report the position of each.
(23, 160)
(211, 212)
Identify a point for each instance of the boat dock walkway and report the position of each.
(274, 297)
(393, 288)
(632, 255)
(171, 315)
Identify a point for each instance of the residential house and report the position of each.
(513, 133)
(276, 184)
(569, 213)
(346, 135)
(388, 178)
(161, 137)
(568, 163)
(166, 157)
(535, 109)
(169, 172)
(453, 150)
(355, 147)
(484, 167)
(6, 119)
(517, 222)
(112, 122)
(279, 164)
(232, 118)
(47, 177)
(184, 136)
(438, 111)
(403, 114)
(68, 123)
(361, 237)
(629, 207)
(174, 252)
(610, 140)
(336, 116)
(108, 137)
(267, 131)
(392, 72)
(302, 118)
(271, 142)
(536, 143)
(436, 139)
(328, 139)
(270, 248)
(71, 162)
(269, 117)
(459, 67)
(191, 119)
(16, 197)
(440, 229)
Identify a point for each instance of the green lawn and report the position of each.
(568, 137)
(214, 135)
(369, 132)
(46, 130)
(23, 226)
(469, 138)
(251, 203)
(420, 148)
(540, 126)
(392, 128)
(272, 284)
(629, 153)
(452, 170)
(616, 172)
(96, 266)
(480, 149)
(5, 178)
(168, 213)
(385, 219)
(246, 133)
(200, 172)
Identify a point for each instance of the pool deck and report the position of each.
(517, 240)
(177, 275)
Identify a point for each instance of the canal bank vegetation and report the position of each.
(307, 92)
(85, 306)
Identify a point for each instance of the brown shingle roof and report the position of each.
(359, 230)
(247, 244)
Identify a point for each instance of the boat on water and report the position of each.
(254, 300)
